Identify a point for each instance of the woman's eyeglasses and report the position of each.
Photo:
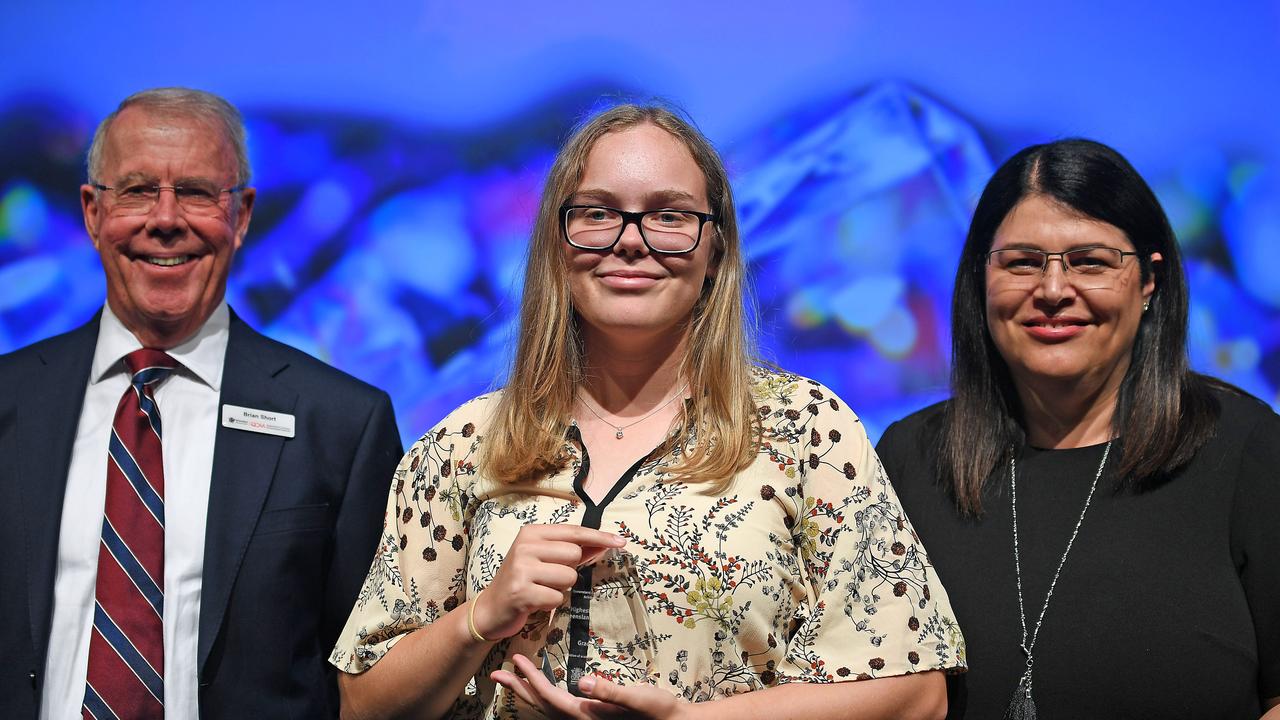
(667, 231)
(1086, 267)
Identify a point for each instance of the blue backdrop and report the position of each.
(399, 150)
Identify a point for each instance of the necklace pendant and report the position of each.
(1021, 706)
(618, 434)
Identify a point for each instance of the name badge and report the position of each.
(261, 421)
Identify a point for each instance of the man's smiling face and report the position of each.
(166, 269)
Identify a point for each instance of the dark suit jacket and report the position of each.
(292, 523)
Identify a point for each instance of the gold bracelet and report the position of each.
(471, 620)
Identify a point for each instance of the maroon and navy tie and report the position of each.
(126, 649)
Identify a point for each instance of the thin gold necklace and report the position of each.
(619, 428)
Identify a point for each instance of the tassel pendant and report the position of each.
(1021, 706)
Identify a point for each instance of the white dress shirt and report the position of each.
(188, 403)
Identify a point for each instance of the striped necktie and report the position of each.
(126, 648)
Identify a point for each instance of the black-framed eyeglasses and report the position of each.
(196, 197)
(1093, 265)
(665, 231)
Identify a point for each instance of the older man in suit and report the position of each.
(188, 507)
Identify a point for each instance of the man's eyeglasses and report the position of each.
(1086, 267)
(668, 232)
(197, 198)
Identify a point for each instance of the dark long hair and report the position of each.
(1164, 411)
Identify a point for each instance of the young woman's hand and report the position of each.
(540, 567)
(604, 699)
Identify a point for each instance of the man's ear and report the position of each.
(91, 207)
(244, 213)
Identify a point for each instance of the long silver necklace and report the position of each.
(1021, 706)
(619, 428)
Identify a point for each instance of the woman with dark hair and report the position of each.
(1101, 514)
(644, 522)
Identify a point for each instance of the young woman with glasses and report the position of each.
(1102, 515)
(645, 522)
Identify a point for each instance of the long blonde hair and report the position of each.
(526, 440)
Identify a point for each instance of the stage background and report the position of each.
(399, 148)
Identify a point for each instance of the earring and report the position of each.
(1146, 305)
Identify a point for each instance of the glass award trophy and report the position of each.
(605, 629)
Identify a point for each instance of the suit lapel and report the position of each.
(244, 464)
(42, 445)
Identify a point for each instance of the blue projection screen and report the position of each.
(392, 248)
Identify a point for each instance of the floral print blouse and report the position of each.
(805, 570)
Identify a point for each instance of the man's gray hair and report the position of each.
(183, 102)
